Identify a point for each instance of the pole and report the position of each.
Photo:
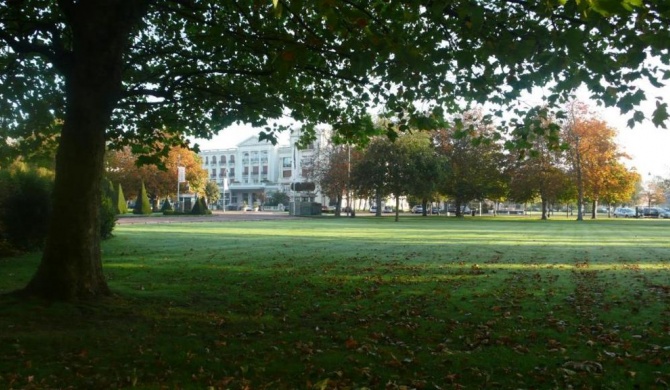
(348, 180)
(178, 178)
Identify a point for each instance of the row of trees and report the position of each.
(159, 179)
(467, 162)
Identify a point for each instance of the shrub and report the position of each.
(25, 206)
(200, 207)
(167, 206)
(142, 204)
(204, 206)
(277, 198)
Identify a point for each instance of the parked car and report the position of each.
(624, 212)
(373, 209)
(651, 212)
(435, 210)
(465, 210)
(417, 210)
(665, 213)
(387, 209)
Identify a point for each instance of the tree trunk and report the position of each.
(545, 215)
(397, 208)
(594, 212)
(71, 266)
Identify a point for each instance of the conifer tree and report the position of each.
(167, 206)
(120, 200)
(142, 204)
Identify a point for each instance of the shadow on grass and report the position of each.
(327, 304)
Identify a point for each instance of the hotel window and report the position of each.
(287, 174)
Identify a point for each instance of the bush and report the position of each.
(167, 206)
(25, 206)
(200, 207)
(277, 198)
(142, 204)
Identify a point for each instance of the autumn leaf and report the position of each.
(350, 343)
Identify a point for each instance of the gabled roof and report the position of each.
(253, 141)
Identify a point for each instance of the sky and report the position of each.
(647, 145)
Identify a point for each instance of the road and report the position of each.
(217, 216)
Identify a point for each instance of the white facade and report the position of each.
(257, 167)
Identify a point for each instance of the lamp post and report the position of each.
(181, 176)
(649, 195)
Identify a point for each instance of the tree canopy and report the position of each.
(109, 73)
(121, 166)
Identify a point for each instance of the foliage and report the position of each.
(424, 167)
(426, 303)
(123, 167)
(331, 169)
(595, 158)
(474, 158)
(142, 204)
(25, 205)
(332, 172)
(278, 197)
(369, 175)
(212, 192)
(541, 174)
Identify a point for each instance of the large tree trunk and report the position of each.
(71, 266)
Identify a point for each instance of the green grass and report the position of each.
(425, 303)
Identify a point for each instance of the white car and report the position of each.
(664, 213)
(624, 212)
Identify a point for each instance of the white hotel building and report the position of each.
(257, 167)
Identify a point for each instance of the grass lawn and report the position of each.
(327, 303)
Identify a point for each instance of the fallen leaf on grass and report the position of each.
(586, 366)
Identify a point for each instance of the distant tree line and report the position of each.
(569, 160)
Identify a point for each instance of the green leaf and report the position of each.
(660, 115)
